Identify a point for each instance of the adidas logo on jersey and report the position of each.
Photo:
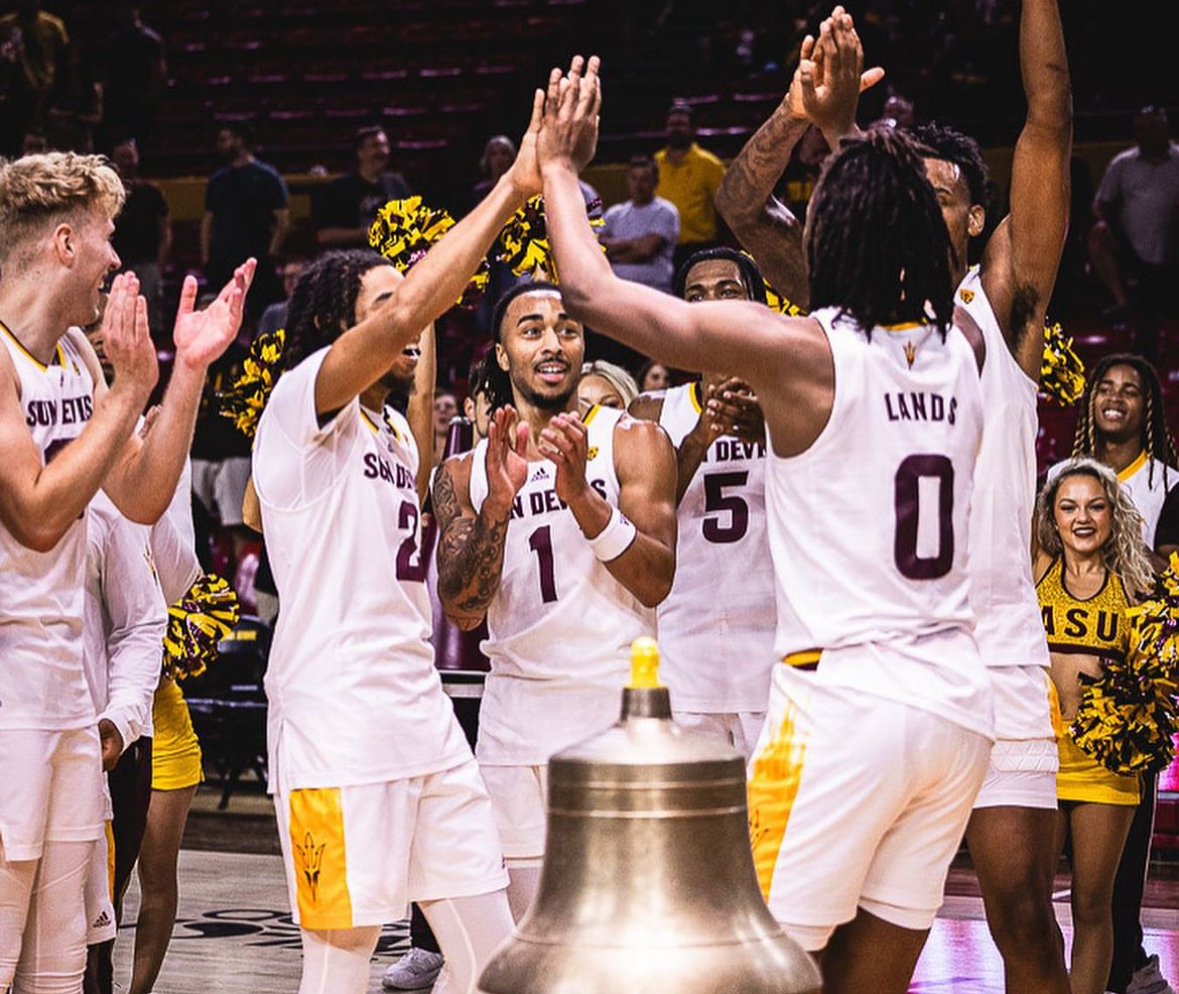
(102, 920)
(540, 473)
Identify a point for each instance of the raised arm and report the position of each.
(470, 544)
(360, 356)
(824, 92)
(143, 481)
(1020, 262)
(420, 412)
(39, 503)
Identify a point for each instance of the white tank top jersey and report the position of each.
(42, 682)
(716, 627)
(560, 626)
(353, 694)
(1008, 626)
(868, 527)
(1147, 480)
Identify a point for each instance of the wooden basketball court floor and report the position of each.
(233, 931)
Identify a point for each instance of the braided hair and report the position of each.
(323, 304)
(497, 382)
(877, 245)
(1156, 437)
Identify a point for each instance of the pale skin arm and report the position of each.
(420, 412)
(38, 504)
(470, 544)
(359, 357)
(1021, 260)
(639, 249)
(143, 480)
(645, 463)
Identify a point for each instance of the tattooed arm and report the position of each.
(470, 545)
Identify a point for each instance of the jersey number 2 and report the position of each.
(409, 557)
(909, 510)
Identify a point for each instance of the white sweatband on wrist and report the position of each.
(613, 540)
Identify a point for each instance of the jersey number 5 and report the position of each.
(717, 503)
(909, 513)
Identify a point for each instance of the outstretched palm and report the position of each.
(202, 336)
(507, 461)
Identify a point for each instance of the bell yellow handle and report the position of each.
(644, 663)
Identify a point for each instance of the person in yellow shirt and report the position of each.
(689, 177)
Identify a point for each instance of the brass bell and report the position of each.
(648, 885)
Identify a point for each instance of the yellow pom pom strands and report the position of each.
(404, 231)
(1062, 373)
(244, 401)
(644, 664)
(774, 300)
(523, 245)
(1127, 720)
(196, 623)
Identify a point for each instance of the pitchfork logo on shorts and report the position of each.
(311, 859)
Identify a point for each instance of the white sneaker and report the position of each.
(415, 970)
(1148, 980)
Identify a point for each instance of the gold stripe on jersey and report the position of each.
(109, 828)
(59, 352)
(695, 396)
(1098, 625)
(1133, 468)
(903, 326)
(806, 657)
(590, 414)
(773, 786)
(319, 858)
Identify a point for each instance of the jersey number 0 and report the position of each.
(909, 511)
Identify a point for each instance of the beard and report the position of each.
(545, 402)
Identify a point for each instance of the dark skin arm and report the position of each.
(645, 463)
(1019, 265)
(470, 544)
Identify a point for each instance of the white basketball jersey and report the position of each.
(868, 527)
(354, 696)
(560, 626)
(1008, 626)
(716, 627)
(1147, 481)
(42, 683)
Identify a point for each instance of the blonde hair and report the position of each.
(39, 189)
(1124, 552)
(623, 383)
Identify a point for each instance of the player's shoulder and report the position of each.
(648, 406)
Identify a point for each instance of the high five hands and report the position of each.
(573, 100)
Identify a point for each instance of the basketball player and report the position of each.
(716, 627)
(378, 797)
(64, 434)
(1011, 832)
(880, 723)
(560, 528)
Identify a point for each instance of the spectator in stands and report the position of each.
(498, 155)
(445, 408)
(136, 73)
(689, 177)
(607, 385)
(654, 376)
(275, 316)
(348, 204)
(39, 42)
(640, 235)
(1132, 245)
(246, 214)
(143, 230)
(75, 105)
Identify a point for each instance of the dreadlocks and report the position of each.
(1156, 436)
(962, 151)
(323, 304)
(877, 246)
(498, 384)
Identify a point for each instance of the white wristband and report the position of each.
(613, 540)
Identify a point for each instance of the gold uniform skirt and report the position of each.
(175, 751)
(1082, 778)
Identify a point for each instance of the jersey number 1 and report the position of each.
(909, 510)
(541, 542)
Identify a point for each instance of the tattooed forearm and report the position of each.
(470, 563)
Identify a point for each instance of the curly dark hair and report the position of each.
(750, 271)
(877, 244)
(961, 150)
(323, 303)
(1156, 436)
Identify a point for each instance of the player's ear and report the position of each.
(977, 221)
(501, 356)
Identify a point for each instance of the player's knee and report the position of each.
(1023, 923)
(1092, 907)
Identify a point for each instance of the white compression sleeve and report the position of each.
(468, 930)
(336, 960)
